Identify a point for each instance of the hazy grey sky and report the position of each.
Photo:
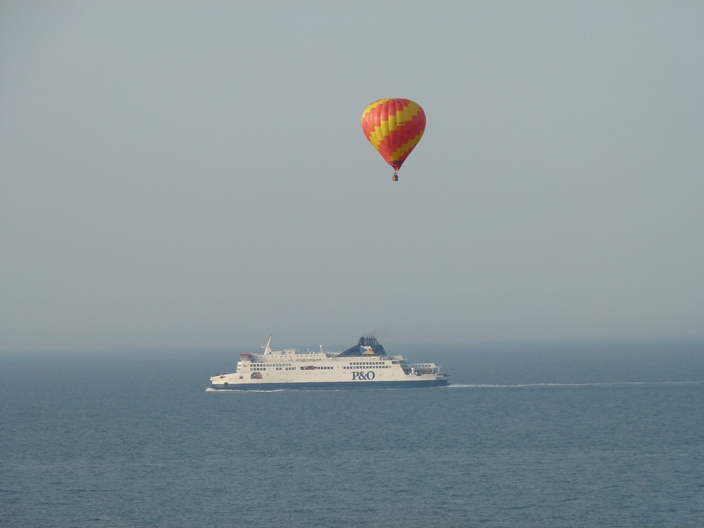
(183, 174)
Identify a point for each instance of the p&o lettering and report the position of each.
(363, 376)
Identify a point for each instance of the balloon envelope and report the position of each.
(394, 127)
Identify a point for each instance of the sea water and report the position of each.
(565, 435)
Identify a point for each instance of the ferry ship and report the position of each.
(365, 365)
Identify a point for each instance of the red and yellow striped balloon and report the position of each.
(394, 127)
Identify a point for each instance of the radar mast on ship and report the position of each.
(267, 347)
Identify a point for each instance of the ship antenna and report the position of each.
(267, 347)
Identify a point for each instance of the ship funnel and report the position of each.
(368, 341)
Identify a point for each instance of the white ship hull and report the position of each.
(363, 366)
(333, 385)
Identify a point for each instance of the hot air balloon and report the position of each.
(394, 127)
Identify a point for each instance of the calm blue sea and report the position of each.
(559, 435)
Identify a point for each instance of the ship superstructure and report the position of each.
(363, 365)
